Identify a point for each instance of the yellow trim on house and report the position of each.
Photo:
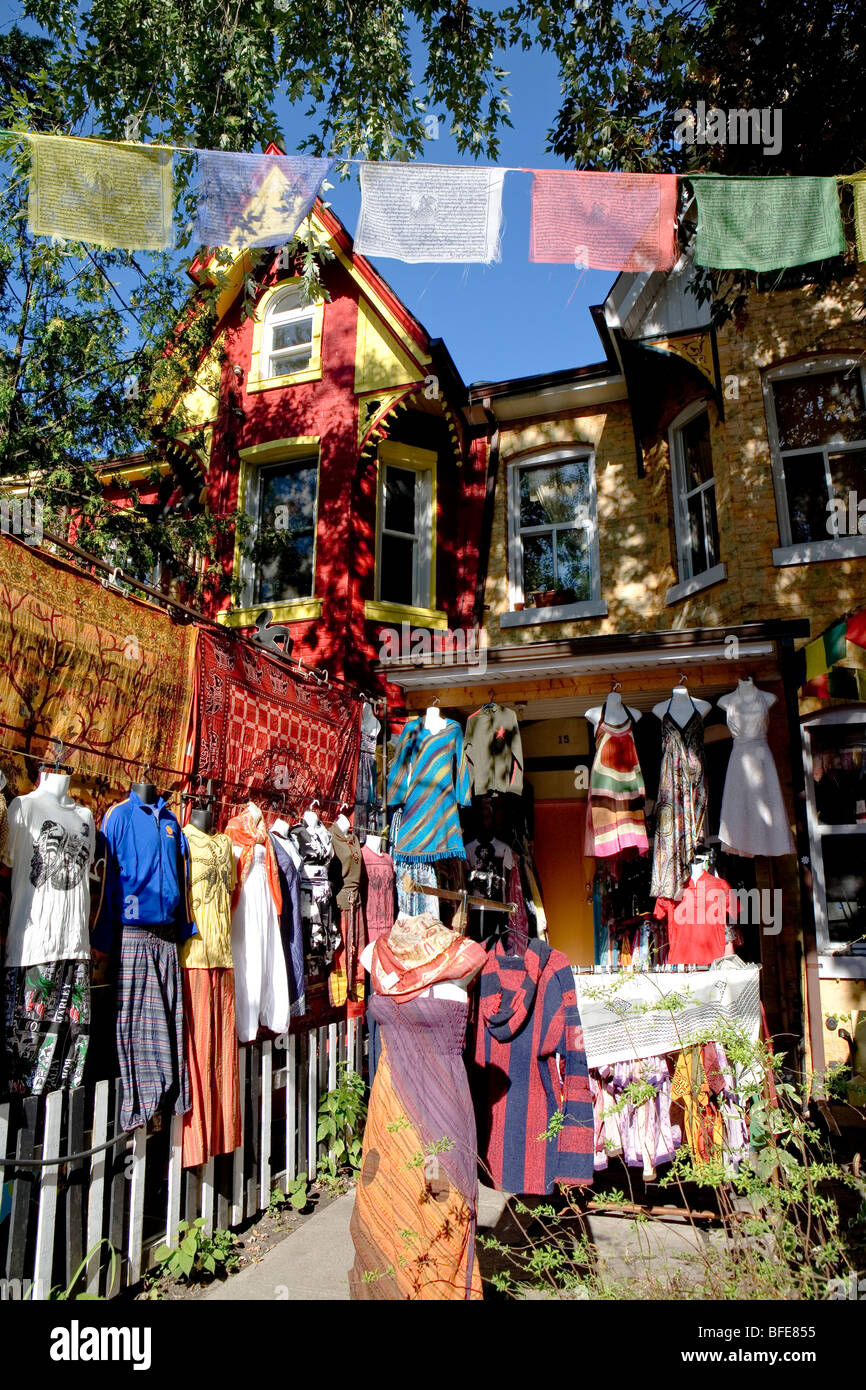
(299, 610)
(255, 381)
(277, 450)
(391, 451)
(381, 363)
(379, 612)
(135, 472)
(253, 457)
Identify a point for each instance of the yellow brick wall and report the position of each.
(636, 529)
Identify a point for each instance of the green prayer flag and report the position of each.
(766, 223)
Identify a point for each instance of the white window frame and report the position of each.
(831, 966)
(789, 552)
(421, 462)
(253, 486)
(276, 318)
(682, 492)
(594, 606)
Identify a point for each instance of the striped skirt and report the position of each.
(153, 1071)
(213, 1124)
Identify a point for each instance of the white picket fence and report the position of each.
(129, 1196)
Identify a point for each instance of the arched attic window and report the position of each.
(288, 333)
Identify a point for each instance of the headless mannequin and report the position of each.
(146, 792)
(614, 711)
(55, 783)
(344, 823)
(374, 842)
(202, 819)
(282, 830)
(433, 720)
(747, 687)
(681, 706)
(458, 990)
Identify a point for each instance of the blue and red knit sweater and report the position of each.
(530, 1063)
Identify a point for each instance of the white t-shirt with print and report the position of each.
(50, 850)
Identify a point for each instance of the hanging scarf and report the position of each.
(248, 830)
(419, 952)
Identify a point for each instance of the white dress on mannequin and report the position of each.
(753, 820)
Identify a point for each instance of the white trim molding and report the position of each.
(557, 613)
(694, 586)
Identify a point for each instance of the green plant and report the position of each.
(342, 1113)
(296, 1195)
(782, 1230)
(197, 1254)
(62, 1295)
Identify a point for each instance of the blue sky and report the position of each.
(512, 318)
(508, 319)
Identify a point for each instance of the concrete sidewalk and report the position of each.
(314, 1261)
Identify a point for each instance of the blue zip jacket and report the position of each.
(146, 863)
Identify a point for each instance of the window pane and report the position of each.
(839, 770)
(703, 539)
(292, 334)
(806, 487)
(287, 503)
(697, 458)
(572, 561)
(287, 362)
(845, 882)
(818, 409)
(400, 484)
(538, 568)
(558, 494)
(848, 472)
(396, 577)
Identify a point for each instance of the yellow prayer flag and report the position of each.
(108, 194)
(860, 216)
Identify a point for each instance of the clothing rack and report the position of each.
(461, 896)
(638, 969)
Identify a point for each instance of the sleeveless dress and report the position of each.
(681, 810)
(754, 819)
(615, 814)
(414, 1219)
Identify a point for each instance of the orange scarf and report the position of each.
(248, 830)
(418, 952)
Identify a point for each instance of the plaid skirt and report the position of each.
(46, 1014)
(150, 1052)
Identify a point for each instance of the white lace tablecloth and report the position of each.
(647, 1013)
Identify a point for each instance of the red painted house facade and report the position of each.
(339, 432)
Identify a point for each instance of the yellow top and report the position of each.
(211, 883)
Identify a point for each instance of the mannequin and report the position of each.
(370, 726)
(374, 842)
(310, 819)
(55, 783)
(681, 706)
(202, 819)
(614, 711)
(747, 687)
(146, 792)
(458, 990)
(433, 720)
(283, 832)
(343, 820)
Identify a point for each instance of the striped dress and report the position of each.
(615, 815)
(429, 779)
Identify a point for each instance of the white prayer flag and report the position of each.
(430, 212)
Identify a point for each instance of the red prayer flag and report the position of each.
(606, 221)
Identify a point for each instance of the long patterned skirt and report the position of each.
(213, 1124)
(413, 1225)
(153, 1069)
(46, 1014)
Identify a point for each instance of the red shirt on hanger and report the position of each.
(696, 924)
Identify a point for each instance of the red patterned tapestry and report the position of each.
(94, 667)
(270, 736)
